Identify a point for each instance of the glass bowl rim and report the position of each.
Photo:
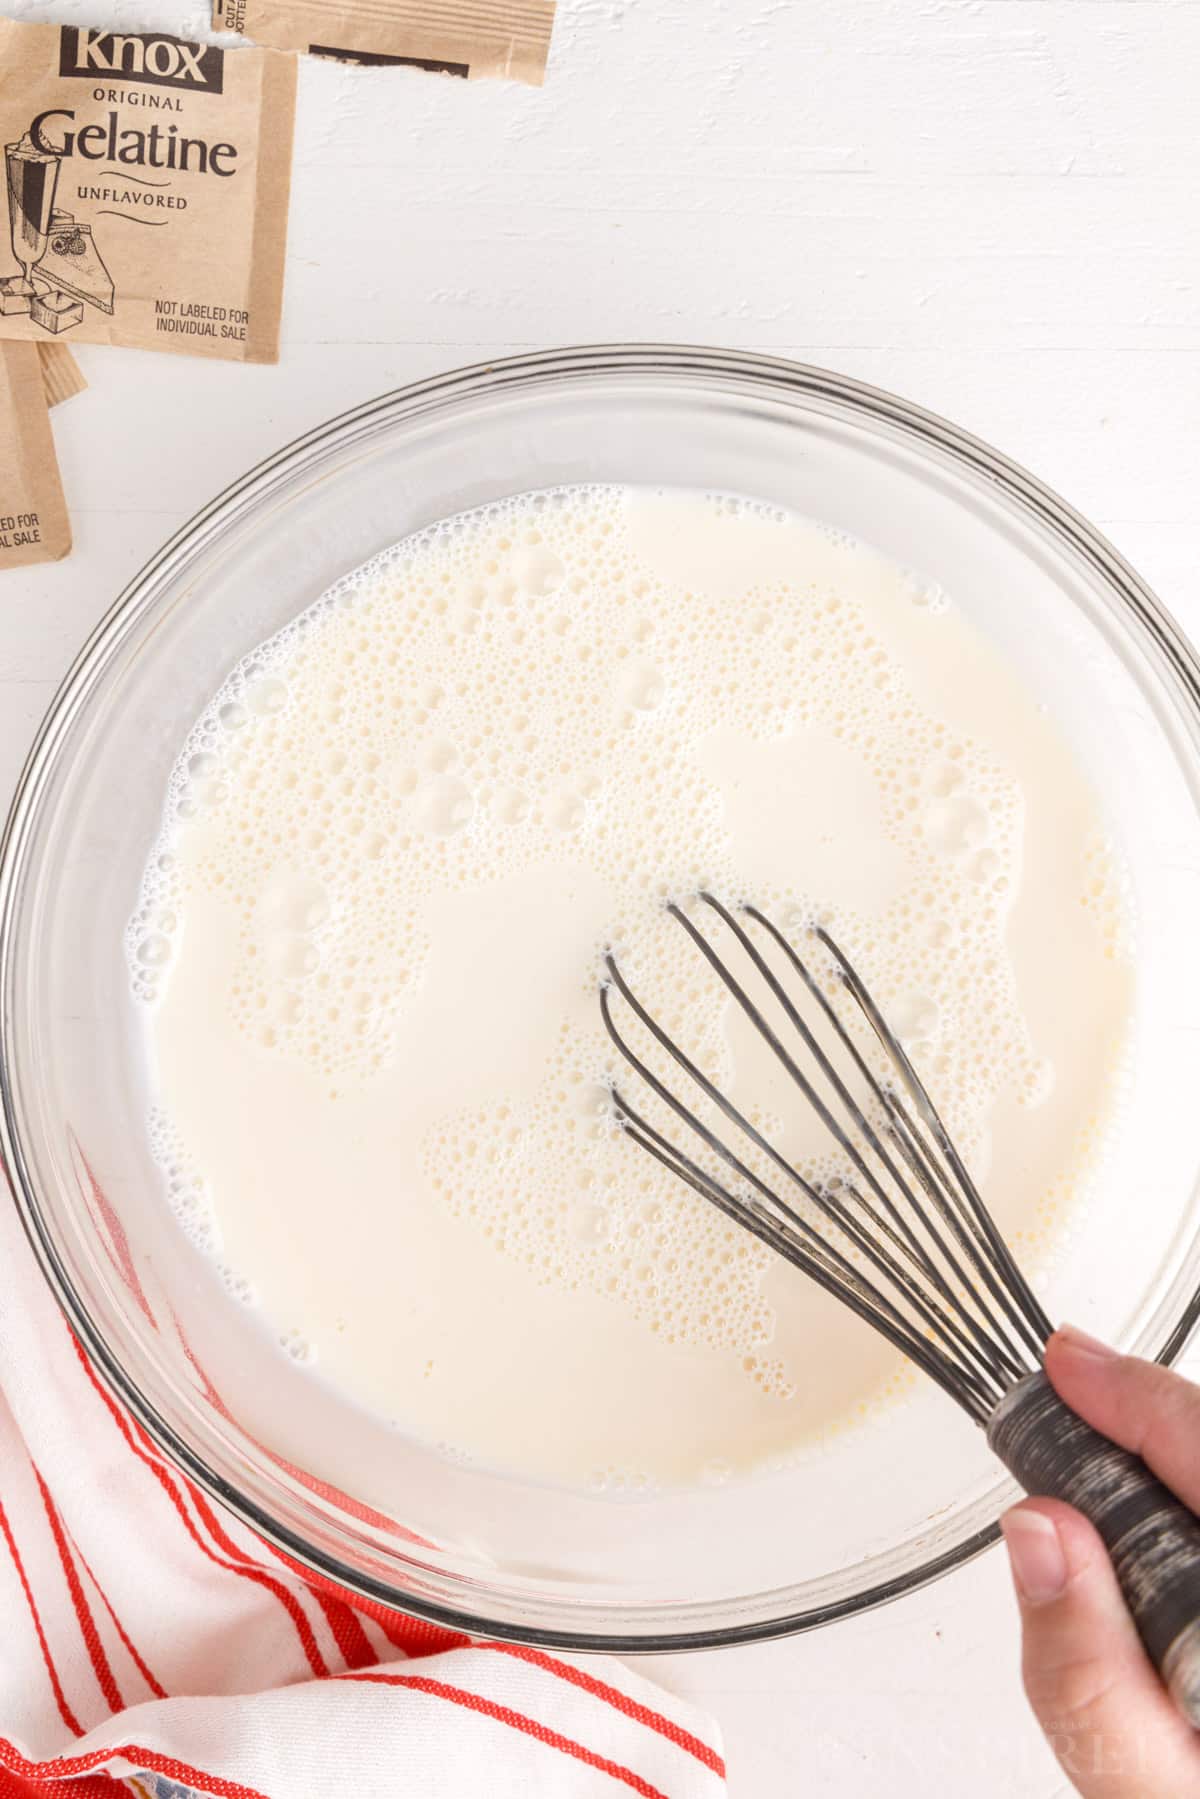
(683, 364)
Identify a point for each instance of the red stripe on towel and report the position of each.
(83, 1611)
(504, 1714)
(68, 1716)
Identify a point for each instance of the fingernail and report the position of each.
(1080, 1343)
(1038, 1563)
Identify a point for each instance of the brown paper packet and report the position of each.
(453, 37)
(34, 526)
(62, 376)
(148, 185)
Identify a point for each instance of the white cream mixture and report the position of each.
(369, 944)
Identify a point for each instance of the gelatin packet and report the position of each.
(147, 181)
(468, 38)
(34, 526)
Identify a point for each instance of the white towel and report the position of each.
(147, 1639)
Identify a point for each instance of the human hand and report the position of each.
(1102, 1707)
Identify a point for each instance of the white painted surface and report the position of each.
(986, 205)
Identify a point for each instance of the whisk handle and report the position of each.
(1152, 1538)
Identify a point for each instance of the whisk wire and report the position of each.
(815, 1246)
(841, 1137)
(824, 1199)
(922, 1161)
(983, 1350)
(976, 1212)
(820, 1261)
(958, 1282)
(916, 1220)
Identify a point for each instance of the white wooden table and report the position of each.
(986, 205)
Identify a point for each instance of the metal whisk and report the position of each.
(900, 1235)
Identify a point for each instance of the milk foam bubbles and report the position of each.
(394, 851)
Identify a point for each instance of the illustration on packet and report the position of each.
(49, 243)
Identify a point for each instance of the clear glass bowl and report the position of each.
(860, 1518)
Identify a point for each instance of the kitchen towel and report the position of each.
(151, 1644)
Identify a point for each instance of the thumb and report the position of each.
(1096, 1695)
